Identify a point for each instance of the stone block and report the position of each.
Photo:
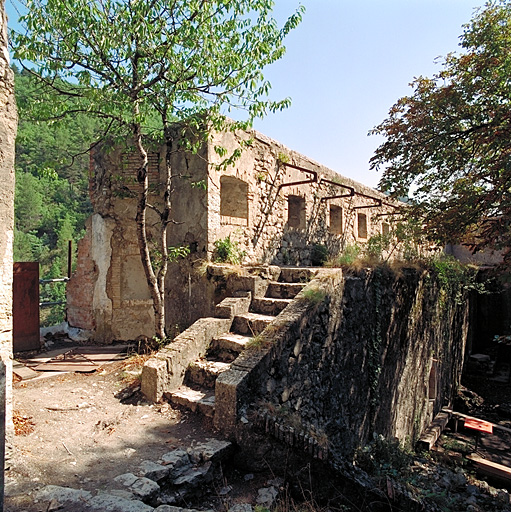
(165, 371)
(113, 503)
(126, 479)
(213, 450)
(63, 494)
(232, 306)
(241, 507)
(195, 477)
(177, 461)
(154, 471)
(228, 386)
(267, 496)
(145, 488)
(153, 379)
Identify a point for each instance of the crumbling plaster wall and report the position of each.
(121, 307)
(8, 128)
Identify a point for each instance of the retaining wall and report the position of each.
(374, 352)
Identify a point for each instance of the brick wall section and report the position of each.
(131, 162)
(80, 288)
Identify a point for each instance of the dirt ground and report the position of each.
(83, 429)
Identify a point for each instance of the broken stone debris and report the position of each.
(267, 496)
(182, 474)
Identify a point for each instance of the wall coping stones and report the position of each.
(237, 387)
(165, 371)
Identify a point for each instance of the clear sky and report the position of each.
(346, 65)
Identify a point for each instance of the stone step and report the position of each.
(202, 401)
(227, 346)
(297, 274)
(204, 373)
(268, 305)
(278, 290)
(251, 323)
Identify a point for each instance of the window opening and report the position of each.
(296, 212)
(362, 225)
(385, 228)
(233, 197)
(335, 219)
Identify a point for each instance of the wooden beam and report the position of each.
(491, 469)
(461, 416)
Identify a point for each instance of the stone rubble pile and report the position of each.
(179, 476)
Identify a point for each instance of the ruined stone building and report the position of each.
(345, 357)
(276, 204)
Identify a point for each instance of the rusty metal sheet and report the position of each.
(25, 306)
(82, 360)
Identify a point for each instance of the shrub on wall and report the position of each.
(228, 251)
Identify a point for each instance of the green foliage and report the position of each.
(319, 255)
(348, 256)
(228, 251)
(176, 253)
(313, 295)
(383, 457)
(201, 184)
(377, 245)
(447, 144)
(456, 279)
(138, 66)
(283, 158)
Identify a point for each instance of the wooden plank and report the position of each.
(491, 469)
(25, 307)
(433, 432)
(479, 425)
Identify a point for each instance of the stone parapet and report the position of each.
(166, 370)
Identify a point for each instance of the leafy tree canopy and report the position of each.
(120, 60)
(123, 60)
(448, 145)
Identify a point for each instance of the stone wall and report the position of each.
(8, 127)
(277, 204)
(282, 222)
(376, 352)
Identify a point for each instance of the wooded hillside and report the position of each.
(51, 202)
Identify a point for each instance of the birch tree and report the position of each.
(125, 60)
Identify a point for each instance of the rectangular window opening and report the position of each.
(296, 212)
(335, 226)
(362, 225)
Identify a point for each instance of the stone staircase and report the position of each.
(250, 316)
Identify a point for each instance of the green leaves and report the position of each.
(447, 145)
(196, 54)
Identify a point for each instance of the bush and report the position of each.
(319, 255)
(228, 251)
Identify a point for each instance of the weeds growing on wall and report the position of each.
(349, 255)
(313, 295)
(228, 251)
(455, 278)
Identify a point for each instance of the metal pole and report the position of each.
(69, 258)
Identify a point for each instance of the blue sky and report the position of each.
(346, 65)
